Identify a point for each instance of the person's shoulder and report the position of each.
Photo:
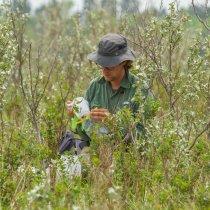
(133, 79)
(92, 87)
(142, 84)
(94, 82)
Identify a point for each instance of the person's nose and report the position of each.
(105, 68)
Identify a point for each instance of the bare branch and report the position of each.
(48, 79)
(30, 73)
(202, 132)
(199, 18)
(38, 72)
(206, 8)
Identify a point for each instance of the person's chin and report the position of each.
(107, 78)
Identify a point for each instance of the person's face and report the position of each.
(114, 73)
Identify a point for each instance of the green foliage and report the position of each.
(164, 161)
(7, 54)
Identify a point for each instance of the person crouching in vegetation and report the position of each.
(113, 90)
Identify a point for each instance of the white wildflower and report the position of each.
(75, 207)
(111, 190)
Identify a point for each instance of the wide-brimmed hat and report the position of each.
(112, 50)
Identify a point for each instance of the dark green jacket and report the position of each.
(100, 93)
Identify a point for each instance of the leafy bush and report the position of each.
(164, 161)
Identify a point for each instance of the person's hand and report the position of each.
(70, 109)
(99, 115)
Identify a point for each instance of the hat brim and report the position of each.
(111, 61)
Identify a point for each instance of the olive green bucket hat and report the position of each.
(112, 50)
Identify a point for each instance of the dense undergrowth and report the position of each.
(166, 167)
